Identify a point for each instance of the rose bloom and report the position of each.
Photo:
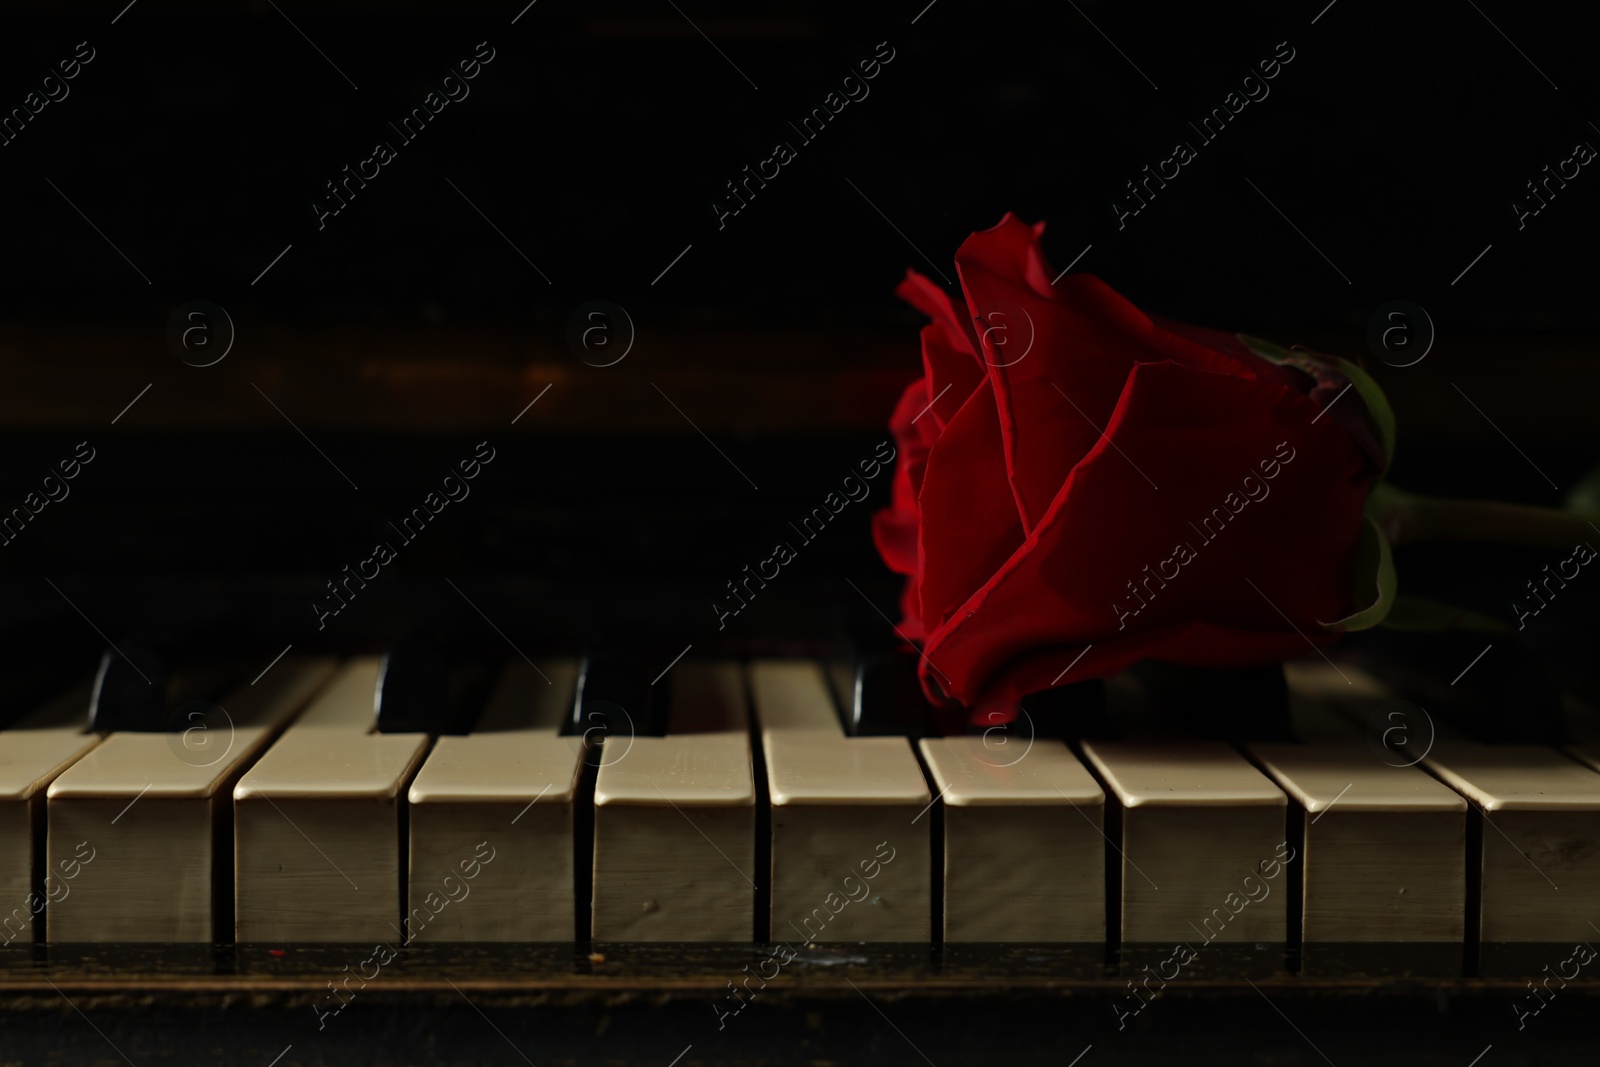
(1081, 484)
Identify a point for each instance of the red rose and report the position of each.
(1215, 521)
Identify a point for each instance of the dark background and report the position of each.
(196, 139)
(412, 326)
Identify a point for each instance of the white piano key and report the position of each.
(32, 754)
(154, 810)
(317, 822)
(1383, 846)
(1383, 842)
(1540, 814)
(1040, 819)
(1587, 753)
(491, 818)
(850, 838)
(1328, 703)
(675, 820)
(1203, 842)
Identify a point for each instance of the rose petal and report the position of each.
(922, 294)
(894, 529)
(969, 524)
(1058, 358)
(1196, 435)
(894, 532)
(1193, 644)
(951, 375)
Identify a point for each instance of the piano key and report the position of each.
(154, 808)
(1538, 815)
(1202, 834)
(1383, 843)
(33, 752)
(317, 822)
(137, 689)
(37, 677)
(1236, 704)
(615, 697)
(130, 690)
(412, 690)
(879, 695)
(675, 820)
(491, 818)
(1510, 696)
(1339, 704)
(850, 845)
(1039, 818)
(1580, 723)
(1586, 752)
(421, 690)
(1383, 847)
(1077, 710)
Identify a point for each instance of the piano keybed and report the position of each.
(749, 815)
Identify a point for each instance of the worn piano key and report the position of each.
(155, 810)
(32, 753)
(491, 818)
(675, 820)
(1202, 842)
(1538, 813)
(1587, 752)
(1383, 843)
(1328, 703)
(850, 840)
(1383, 846)
(1039, 818)
(317, 822)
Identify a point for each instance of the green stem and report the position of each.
(1408, 518)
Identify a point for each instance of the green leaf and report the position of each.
(1273, 353)
(1387, 499)
(1585, 494)
(1378, 408)
(1390, 508)
(1420, 615)
(1375, 582)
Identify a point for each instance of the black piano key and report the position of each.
(130, 690)
(1520, 698)
(422, 688)
(615, 699)
(1497, 688)
(413, 688)
(1512, 692)
(1064, 713)
(1232, 704)
(1068, 712)
(30, 685)
(879, 696)
(44, 659)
